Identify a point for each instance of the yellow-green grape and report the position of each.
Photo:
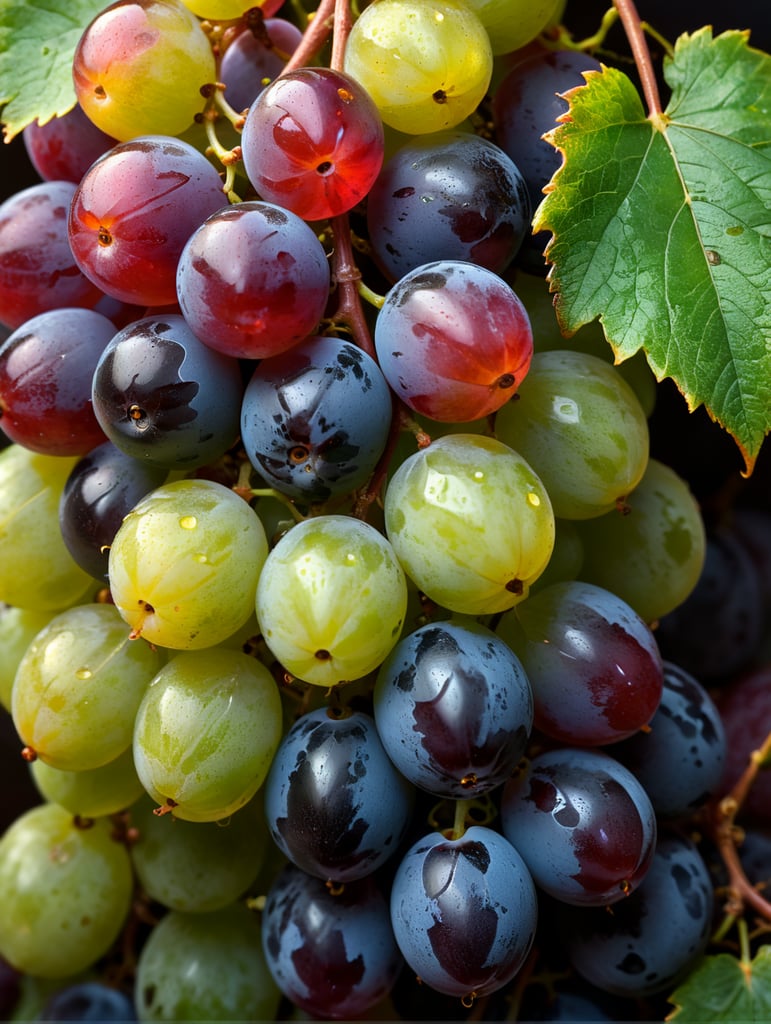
(78, 687)
(95, 793)
(139, 67)
(36, 569)
(197, 866)
(18, 628)
(219, 10)
(206, 732)
(512, 24)
(184, 564)
(652, 555)
(426, 65)
(206, 967)
(66, 892)
(581, 428)
(471, 523)
(331, 600)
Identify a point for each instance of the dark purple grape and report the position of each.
(64, 148)
(101, 490)
(332, 953)
(464, 911)
(593, 663)
(717, 630)
(315, 419)
(248, 64)
(680, 758)
(89, 1001)
(334, 803)
(583, 823)
(161, 395)
(745, 710)
(651, 939)
(528, 103)
(46, 369)
(38, 271)
(454, 709)
(450, 195)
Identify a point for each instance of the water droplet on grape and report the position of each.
(533, 499)
(83, 673)
(188, 522)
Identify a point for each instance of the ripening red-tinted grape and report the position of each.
(38, 270)
(453, 340)
(249, 64)
(253, 280)
(64, 148)
(46, 368)
(450, 195)
(134, 211)
(313, 143)
(583, 823)
(745, 710)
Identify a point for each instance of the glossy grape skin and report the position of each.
(582, 429)
(133, 212)
(38, 269)
(336, 806)
(680, 760)
(93, 793)
(64, 148)
(184, 564)
(78, 686)
(426, 66)
(511, 26)
(454, 709)
(583, 824)
(46, 369)
(66, 892)
(197, 867)
(652, 555)
(470, 522)
(101, 490)
(313, 143)
(89, 1001)
(247, 62)
(453, 341)
(593, 663)
(18, 628)
(206, 732)
(197, 967)
(331, 599)
(127, 56)
(36, 569)
(527, 104)
(253, 280)
(449, 195)
(332, 954)
(464, 911)
(652, 938)
(315, 420)
(163, 396)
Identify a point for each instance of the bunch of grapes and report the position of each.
(358, 636)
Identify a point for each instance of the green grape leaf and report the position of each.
(722, 988)
(661, 226)
(37, 42)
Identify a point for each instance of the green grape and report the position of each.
(78, 687)
(18, 628)
(581, 427)
(426, 65)
(94, 793)
(125, 60)
(652, 556)
(566, 558)
(206, 967)
(331, 600)
(512, 24)
(471, 523)
(36, 569)
(184, 564)
(219, 10)
(206, 732)
(198, 866)
(66, 892)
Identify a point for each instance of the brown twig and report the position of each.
(633, 29)
(314, 37)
